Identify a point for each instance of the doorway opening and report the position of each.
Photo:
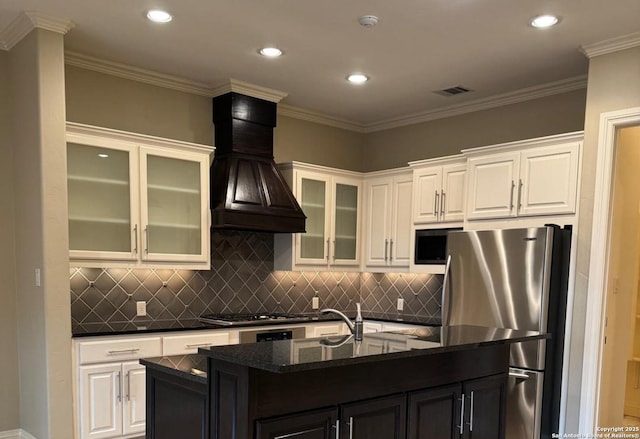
(620, 379)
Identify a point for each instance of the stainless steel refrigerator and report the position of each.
(515, 278)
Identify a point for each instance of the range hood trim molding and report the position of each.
(247, 89)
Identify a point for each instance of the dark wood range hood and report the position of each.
(248, 192)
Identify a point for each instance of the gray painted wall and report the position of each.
(395, 147)
(41, 224)
(109, 101)
(9, 397)
(613, 84)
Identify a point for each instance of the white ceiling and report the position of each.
(419, 45)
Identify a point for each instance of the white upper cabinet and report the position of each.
(439, 189)
(529, 178)
(331, 199)
(388, 201)
(136, 200)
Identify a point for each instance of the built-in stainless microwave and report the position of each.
(431, 246)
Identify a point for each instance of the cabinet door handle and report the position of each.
(520, 195)
(146, 240)
(328, 250)
(391, 250)
(461, 426)
(350, 423)
(471, 412)
(198, 345)
(128, 396)
(135, 239)
(118, 388)
(513, 186)
(334, 251)
(123, 351)
(336, 427)
(386, 248)
(442, 203)
(436, 211)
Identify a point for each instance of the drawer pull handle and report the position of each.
(199, 345)
(124, 351)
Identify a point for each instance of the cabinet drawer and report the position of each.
(189, 344)
(326, 330)
(119, 350)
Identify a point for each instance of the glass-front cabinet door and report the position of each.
(136, 200)
(332, 205)
(312, 247)
(173, 220)
(344, 250)
(101, 181)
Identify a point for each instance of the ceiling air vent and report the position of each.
(452, 91)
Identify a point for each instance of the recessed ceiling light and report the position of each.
(159, 16)
(357, 78)
(543, 21)
(271, 52)
(103, 155)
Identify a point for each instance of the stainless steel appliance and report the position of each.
(515, 278)
(253, 319)
(431, 246)
(260, 335)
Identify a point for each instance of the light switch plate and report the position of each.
(141, 309)
(315, 302)
(400, 305)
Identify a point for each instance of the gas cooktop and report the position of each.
(252, 319)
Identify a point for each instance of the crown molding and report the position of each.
(256, 91)
(612, 45)
(135, 73)
(188, 86)
(321, 118)
(522, 95)
(26, 21)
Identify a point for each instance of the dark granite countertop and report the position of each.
(141, 327)
(316, 353)
(192, 367)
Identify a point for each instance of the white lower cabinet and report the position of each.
(189, 344)
(111, 385)
(112, 400)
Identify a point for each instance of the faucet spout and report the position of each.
(346, 319)
(356, 328)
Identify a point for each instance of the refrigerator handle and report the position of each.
(445, 303)
(519, 375)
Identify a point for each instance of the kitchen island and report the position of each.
(423, 383)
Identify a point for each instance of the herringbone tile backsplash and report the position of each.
(241, 280)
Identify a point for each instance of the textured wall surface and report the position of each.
(241, 280)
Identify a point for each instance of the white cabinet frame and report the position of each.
(439, 189)
(139, 148)
(534, 177)
(388, 213)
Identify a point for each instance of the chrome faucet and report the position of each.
(356, 327)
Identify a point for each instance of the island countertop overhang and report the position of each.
(284, 356)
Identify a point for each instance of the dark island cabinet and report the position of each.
(379, 418)
(484, 408)
(435, 413)
(470, 410)
(317, 424)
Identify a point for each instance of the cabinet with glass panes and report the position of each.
(136, 199)
(331, 199)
